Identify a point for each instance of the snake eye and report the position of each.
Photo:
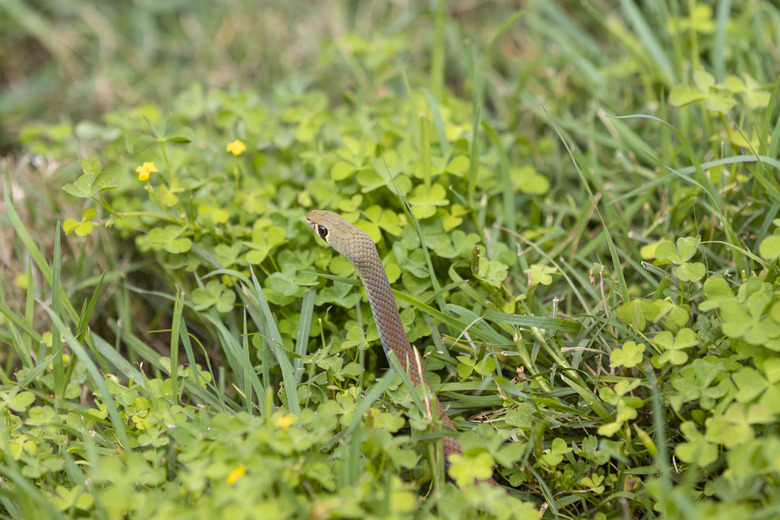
(322, 231)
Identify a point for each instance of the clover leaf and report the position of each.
(540, 274)
(527, 180)
(167, 238)
(82, 228)
(734, 427)
(697, 450)
(263, 240)
(674, 346)
(466, 468)
(492, 272)
(16, 401)
(716, 98)
(637, 313)
(770, 247)
(667, 253)
(630, 355)
(90, 184)
(554, 455)
(214, 294)
(424, 200)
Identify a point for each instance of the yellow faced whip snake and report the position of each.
(360, 251)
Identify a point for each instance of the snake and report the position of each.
(360, 251)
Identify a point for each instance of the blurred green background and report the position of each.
(79, 59)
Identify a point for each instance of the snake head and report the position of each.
(342, 236)
(323, 222)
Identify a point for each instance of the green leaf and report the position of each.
(675, 357)
(342, 170)
(527, 180)
(704, 80)
(718, 292)
(554, 455)
(750, 384)
(492, 272)
(736, 320)
(180, 135)
(733, 84)
(69, 225)
(21, 401)
(637, 312)
(90, 166)
(88, 214)
(688, 246)
(698, 451)
(720, 102)
(465, 469)
(666, 253)
(88, 185)
(138, 143)
(521, 416)
(459, 165)
(84, 229)
(690, 272)
(609, 429)
(770, 247)
(214, 294)
(178, 245)
(684, 95)
(424, 201)
(540, 274)
(630, 355)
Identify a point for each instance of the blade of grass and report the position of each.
(58, 369)
(274, 342)
(304, 327)
(441, 132)
(425, 149)
(176, 321)
(719, 39)
(96, 376)
(28, 495)
(32, 248)
(651, 45)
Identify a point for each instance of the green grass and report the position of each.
(577, 208)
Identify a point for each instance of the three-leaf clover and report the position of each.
(82, 228)
(630, 355)
(667, 253)
(674, 346)
(214, 294)
(697, 450)
(539, 274)
(554, 455)
(465, 469)
(637, 313)
(167, 238)
(90, 184)
(468, 365)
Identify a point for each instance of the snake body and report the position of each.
(360, 251)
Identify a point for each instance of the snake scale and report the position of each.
(360, 251)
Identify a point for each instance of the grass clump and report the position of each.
(590, 274)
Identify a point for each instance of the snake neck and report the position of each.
(388, 321)
(392, 333)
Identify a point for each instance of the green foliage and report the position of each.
(612, 315)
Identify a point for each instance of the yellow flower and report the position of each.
(144, 171)
(285, 421)
(236, 474)
(236, 147)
